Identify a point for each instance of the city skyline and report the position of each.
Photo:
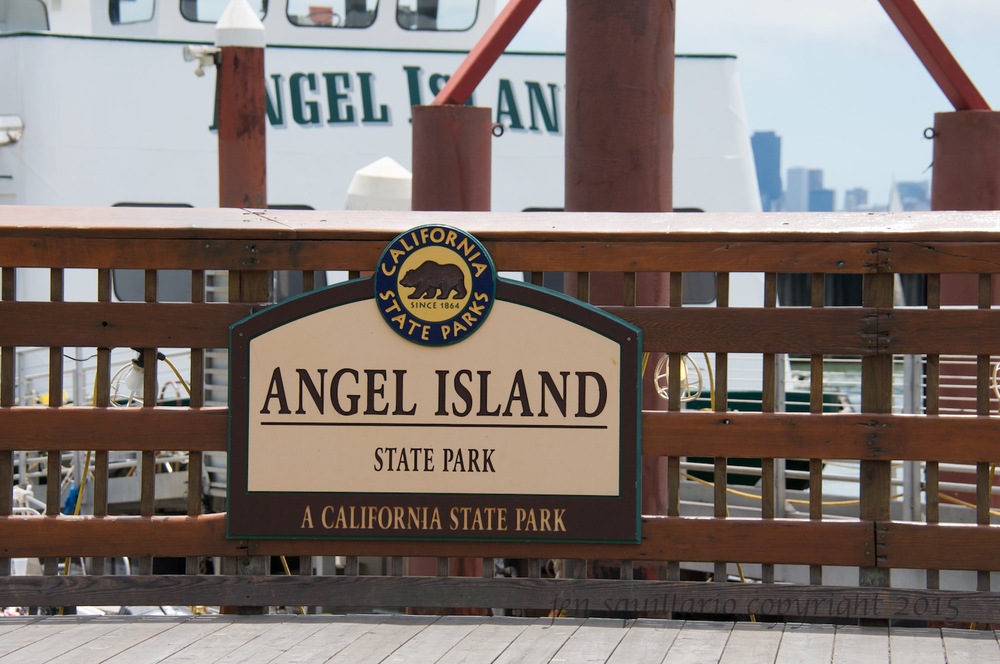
(798, 189)
(836, 81)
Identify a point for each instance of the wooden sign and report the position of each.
(434, 401)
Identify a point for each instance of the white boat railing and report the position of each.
(79, 373)
(840, 479)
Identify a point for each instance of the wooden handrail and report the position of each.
(875, 248)
(758, 435)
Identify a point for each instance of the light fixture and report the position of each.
(11, 129)
(203, 55)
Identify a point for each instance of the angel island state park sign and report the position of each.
(434, 401)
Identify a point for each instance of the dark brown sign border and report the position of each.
(586, 518)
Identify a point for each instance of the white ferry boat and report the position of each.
(101, 108)
(107, 103)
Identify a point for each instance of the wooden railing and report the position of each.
(960, 559)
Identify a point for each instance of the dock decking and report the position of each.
(400, 638)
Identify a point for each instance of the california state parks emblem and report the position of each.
(435, 285)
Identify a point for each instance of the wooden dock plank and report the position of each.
(76, 633)
(32, 630)
(35, 631)
(337, 633)
(487, 641)
(915, 645)
(127, 633)
(646, 641)
(10, 624)
(861, 644)
(806, 644)
(594, 641)
(430, 645)
(220, 643)
(382, 640)
(539, 641)
(966, 646)
(297, 639)
(699, 642)
(161, 646)
(276, 643)
(753, 642)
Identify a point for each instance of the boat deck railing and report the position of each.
(889, 413)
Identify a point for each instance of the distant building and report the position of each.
(797, 190)
(766, 147)
(856, 199)
(805, 192)
(914, 196)
(821, 200)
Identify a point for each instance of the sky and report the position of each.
(833, 78)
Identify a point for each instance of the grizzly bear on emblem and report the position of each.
(432, 278)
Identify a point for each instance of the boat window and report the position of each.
(436, 14)
(209, 11)
(18, 15)
(332, 13)
(698, 288)
(123, 12)
(129, 285)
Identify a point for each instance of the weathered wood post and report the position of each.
(451, 158)
(619, 142)
(966, 162)
(8, 292)
(967, 177)
(451, 142)
(242, 121)
(452, 167)
(241, 99)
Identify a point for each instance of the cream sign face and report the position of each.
(342, 427)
